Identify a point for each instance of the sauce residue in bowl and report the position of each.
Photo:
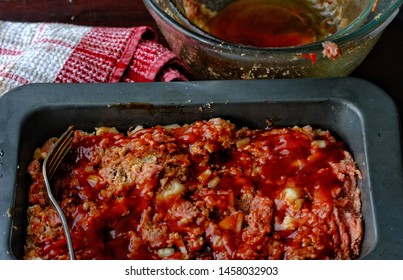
(268, 23)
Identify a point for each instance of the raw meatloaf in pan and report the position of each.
(204, 190)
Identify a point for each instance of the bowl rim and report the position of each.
(381, 20)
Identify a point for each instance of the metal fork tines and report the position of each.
(50, 165)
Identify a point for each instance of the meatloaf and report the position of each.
(205, 190)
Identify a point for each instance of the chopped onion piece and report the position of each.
(321, 144)
(204, 175)
(214, 182)
(173, 188)
(166, 252)
(105, 129)
(242, 142)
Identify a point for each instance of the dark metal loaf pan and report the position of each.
(357, 112)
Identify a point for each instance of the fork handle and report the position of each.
(61, 215)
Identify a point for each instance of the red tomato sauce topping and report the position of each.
(201, 191)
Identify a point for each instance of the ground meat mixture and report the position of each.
(206, 190)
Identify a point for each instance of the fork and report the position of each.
(49, 167)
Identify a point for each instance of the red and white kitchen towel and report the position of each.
(64, 53)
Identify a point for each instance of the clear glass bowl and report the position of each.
(208, 57)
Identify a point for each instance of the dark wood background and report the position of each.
(383, 67)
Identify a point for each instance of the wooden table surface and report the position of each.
(383, 66)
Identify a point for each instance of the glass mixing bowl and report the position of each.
(355, 30)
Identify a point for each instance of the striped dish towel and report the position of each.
(64, 53)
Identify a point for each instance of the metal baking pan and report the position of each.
(356, 111)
